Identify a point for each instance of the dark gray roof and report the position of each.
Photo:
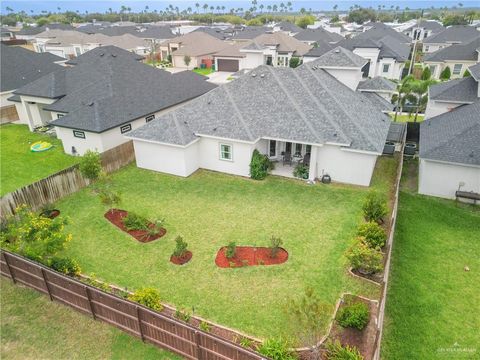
(320, 49)
(396, 131)
(215, 32)
(389, 46)
(458, 90)
(452, 136)
(318, 35)
(464, 51)
(39, 29)
(379, 101)
(155, 32)
(288, 26)
(377, 83)
(101, 51)
(99, 95)
(475, 72)
(457, 33)
(380, 30)
(21, 66)
(143, 31)
(301, 104)
(250, 32)
(431, 25)
(338, 57)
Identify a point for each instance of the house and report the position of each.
(287, 27)
(29, 33)
(231, 59)
(250, 32)
(92, 104)
(423, 29)
(450, 153)
(198, 45)
(20, 67)
(320, 48)
(291, 115)
(101, 51)
(379, 86)
(315, 36)
(458, 57)
(452, 35)
(448, 95)
(274, 49)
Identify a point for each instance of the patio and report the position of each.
(287, 155)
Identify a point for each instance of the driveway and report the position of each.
(219, 77)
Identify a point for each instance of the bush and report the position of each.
(445, 74)
(148, 297)
(65, 265)
(295, 61)
(133, 221)
(275, 244)
(301, 171)
(90, 165)
(276, 349)
(373, 233)
(109, 197)
(354, 315)
(364, 258)
(204, 326)
(231, 250)
(183, 315)
(259, 165)
(374, 207)
(335, 351)
(180, 247)
(426, 73)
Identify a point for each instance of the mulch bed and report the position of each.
(115, 216)
(250, 256)
(363, 340)
(180, 260)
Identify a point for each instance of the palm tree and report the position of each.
(418, 95)
(269, 8)
(400, 98)
(261, 6)
(335, 7)
(205, 8)
(197, 5)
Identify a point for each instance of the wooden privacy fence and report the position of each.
(139, 321)
(63, 183)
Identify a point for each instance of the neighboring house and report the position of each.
(93, 104)
(458, 57)
(29, 33)
(450, 153)
(274, 49)
(102, 51)
(231, 59)
(199, 45)
(318, 50)
(281, 112)
(315, 36)
(379, 86)
(218, 33)
(452, 35)
(20, 67)
(250, 33)
(287, 27)
(6, 34)
(423, 29)
(448, 95)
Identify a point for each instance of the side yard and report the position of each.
(19, 166)
(33, 327)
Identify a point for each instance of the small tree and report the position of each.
(180, 247)
(187, 59)
(110, 198)
(445, 74)
(466, 73)
(426, 73)
(275, 244)
(373, 233)
(364, 258)
(375, 207)
(295, 61)
(259, 165)
(231, 250)
(90, 165)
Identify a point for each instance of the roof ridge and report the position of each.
(238, 112)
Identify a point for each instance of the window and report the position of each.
(79, 134)
(272, 150)
(149, 118)
(282, 60)
(298, 149)
(308, 149)
(288, 148)
(78, 51)
(226, 152)
(125, 128)
(268, 60)
(386, 67)
(457, 69)
(432, 69)
(426, 48)
(59, 116)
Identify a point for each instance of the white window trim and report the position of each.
(220, 151)
(383, 68)
(459, 71)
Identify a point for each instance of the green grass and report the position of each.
(432, 302)
(408, 118)
(205, 71)
(32, 327)
(211, 209)
(19, 166)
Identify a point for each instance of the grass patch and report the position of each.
(19, 166)
(432, 302)
(205, 71)
(209, 210)
(35, 328)
(407, 118)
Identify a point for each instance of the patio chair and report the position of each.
(287, 159)
(306, 159)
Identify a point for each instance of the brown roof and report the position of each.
(197, 43)
(233, 50)
(283, 42)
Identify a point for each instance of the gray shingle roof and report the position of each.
(475, 71)
(460, 90)
(338, 57)
(101, 51)
(215, 32)
(380, 30)
(40, 29)
(250, 32)
(452, 136)
(318, 35)
(379, 101)
(21, 66)
(377, 83)
(320, 49)
(282, 41)
(396, 131)
(288, 26)
(301, 104)
(457, 33)
(388, 45)
(464, 51)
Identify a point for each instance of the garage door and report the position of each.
(227, 65)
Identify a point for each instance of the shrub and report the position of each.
(364, 258)
(204, 326)
(276, 349)
(335, 351)
(180, 247)
(65, 265)
(259, 165)
(133, 221)
(445, 74)
(90, 165)
(148, 297)
(373, 233)
(294, 62)
(183, 315)
(231, 250)
(109, 197)
(426, 73)
(354, 315)
(374, 207)
(275, 243)
(301, 171)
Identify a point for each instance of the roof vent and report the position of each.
(334, 134)
(254, 75)
(337, 51)
(114, 55)
(262, 75)
(215, 129)
(102, 54)
(471, 154)
(90, 104)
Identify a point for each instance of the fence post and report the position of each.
(89, 298)
(140, 323)
(46, 284)
(198, 349)
(8, 266)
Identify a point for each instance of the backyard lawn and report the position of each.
(32, 327)
(211, 209)
(433, 303)
(20, 166)
(408, 118)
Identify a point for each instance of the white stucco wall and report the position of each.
(3, 98)
(348, 77)
(33, 108)
(369, 54)
(443, 179)
(22, 113)
(194, 61)
(251, 60)
(435, 108)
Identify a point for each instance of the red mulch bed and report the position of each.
(250, 256)
(180, 260)
(115, 216)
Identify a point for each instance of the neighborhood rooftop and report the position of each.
(282, 42)
(475, 71)
(318, 35)
(457, 33)
(338, 57)
(464, 51)
(101, 51)
(377, 83)
(461, 90)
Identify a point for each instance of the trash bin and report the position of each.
(213, 67)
